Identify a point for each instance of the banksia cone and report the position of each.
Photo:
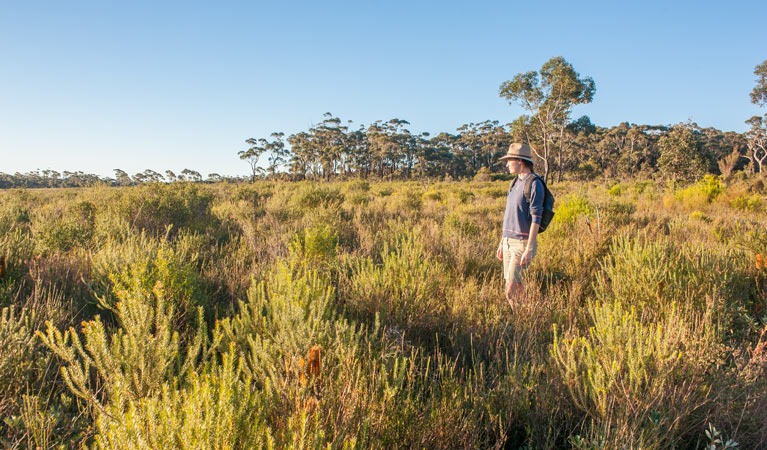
(761, 262)
(314, 366)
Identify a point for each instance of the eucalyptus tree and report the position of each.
(329, 141)
(191, 175)
(681, 154)
(122, 178)
(549, 96)
(277, 152)
(252, 154)
(757, 135)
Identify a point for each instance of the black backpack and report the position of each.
(548, 200)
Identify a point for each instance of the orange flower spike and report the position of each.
(315, 361)
(760, 261)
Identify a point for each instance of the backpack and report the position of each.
(548, 200)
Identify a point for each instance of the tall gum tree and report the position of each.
(757, 135)
(549, 96)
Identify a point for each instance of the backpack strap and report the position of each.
(529, 185)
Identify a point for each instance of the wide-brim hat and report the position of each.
(519, 151)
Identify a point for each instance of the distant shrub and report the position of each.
(482, 175)
(357, 186)
(433, 195)
(701, 193)
(494, 192)
(618, 213)
(358, 198)
(456, 224)
(62, 232)
(409, 199)
(698, 215)
(748, 203)
(153, 207)
(385, 192)
(463, 195)
(313, 195)
(572, 207)
(651, 273)
(318, 242)
(616, 190)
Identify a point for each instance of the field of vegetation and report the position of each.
(371, 315)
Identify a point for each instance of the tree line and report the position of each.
(564, 147)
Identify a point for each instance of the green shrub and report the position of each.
(701, 193)
(405, 288)
(482, 175)
(134, 361)
(318, 242)
(572, 207)
(616, 190)
(433, 195)
(154, 207)
(409, 200)
(698, 215)
(315, 195)
(633, 377)
(463, 196)
(748, 203)
(455, 224)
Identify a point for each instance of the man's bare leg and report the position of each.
(514, 293)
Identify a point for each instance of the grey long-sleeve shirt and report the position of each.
(520, 215)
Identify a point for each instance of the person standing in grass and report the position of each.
(521, 221)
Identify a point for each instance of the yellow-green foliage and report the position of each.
(215, 410)
(134, 361)
(156, 206)
(16, 340)
(404, 286)
(314, 195)
(631, 373)
(698, 215)
(744, 202)
(700, 194)
(572, 207)
(616, 190)
(654, 272)
(433, 194)
(316, 242)
(408, 199)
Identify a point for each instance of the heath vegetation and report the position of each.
(367, 314)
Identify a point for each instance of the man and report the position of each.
(521, 221)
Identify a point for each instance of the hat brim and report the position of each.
(515, 157)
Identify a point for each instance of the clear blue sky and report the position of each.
(99, 85)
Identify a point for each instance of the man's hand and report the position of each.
(526, 257)
(499, 252)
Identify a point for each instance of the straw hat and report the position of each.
(519, 151)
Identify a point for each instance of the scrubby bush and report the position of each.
(748, 203)
(572, 207)
(152, 208)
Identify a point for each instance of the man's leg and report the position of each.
(515, 292)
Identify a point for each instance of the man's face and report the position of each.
(514, 165)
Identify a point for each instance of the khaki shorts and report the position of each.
(512, 253)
